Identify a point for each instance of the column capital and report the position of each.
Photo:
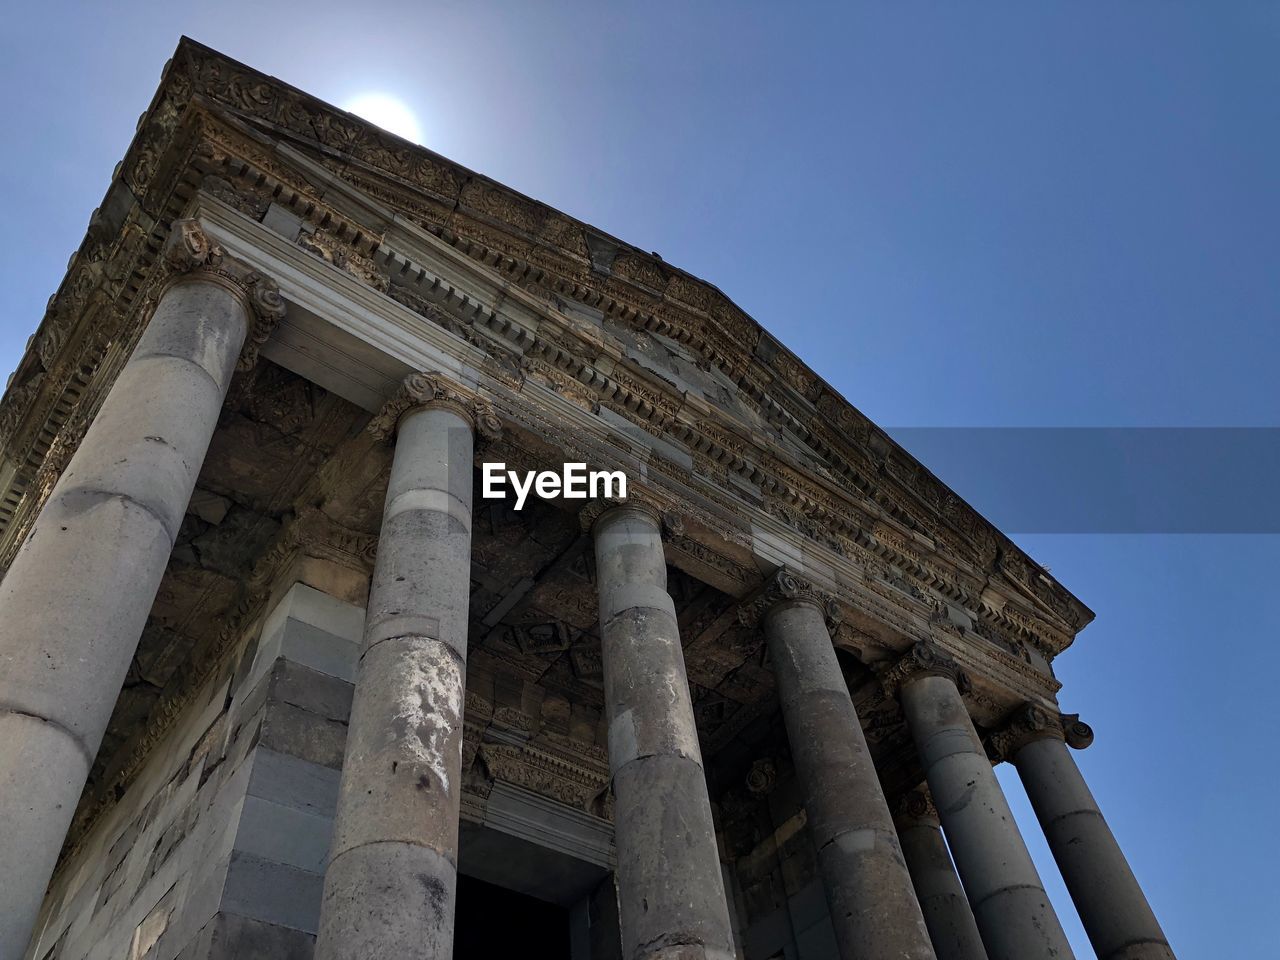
(915, 806)
(1078, 733)
(924, 659)
(787, 587)
(190, 253)
(669, 524)
(433, 390)
(1032, 722)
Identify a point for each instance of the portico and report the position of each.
(275, 673)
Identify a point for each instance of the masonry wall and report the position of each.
(781, 906)
(217, 849)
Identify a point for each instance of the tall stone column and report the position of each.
(1008, 899)
(1112, 907)
(873, 906)
(670, 891)
(946, 909)
(392, 873)
(77, 595)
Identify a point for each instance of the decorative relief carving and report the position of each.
(17, 400)
(1029, 722)
(552, 774)
(763, 776)
(923, 659)
(916, 805)
(1033, 722)
(1079, 735)
(432, 389)
(333, 251)
(189, 249)
(787, 587)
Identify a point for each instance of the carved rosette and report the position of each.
(924, 659)
(786, 586)
(1033, 722)
(190, 252)
(433, 390)
(915, 806)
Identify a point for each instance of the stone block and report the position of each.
(273, 892)
(285, 834)
(303, 734)
(294, 782)
(242, 938)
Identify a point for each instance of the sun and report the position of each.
(388, 113)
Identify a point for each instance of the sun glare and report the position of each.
(388, 113)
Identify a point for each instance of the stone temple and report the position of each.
(277, 680)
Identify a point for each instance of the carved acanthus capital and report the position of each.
(924, 659)
(433, 390)
(785, 586)
(915, 806)
(189, 251)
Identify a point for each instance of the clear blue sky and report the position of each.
(1021, 214)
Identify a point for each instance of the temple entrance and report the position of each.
(492, 921)
(535, 881)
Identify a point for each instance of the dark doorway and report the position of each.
(493, 921)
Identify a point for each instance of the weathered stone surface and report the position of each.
(1112, 906)
(390, 899)
(873, 906)
(1012, 910)
(952, 928)
(240, 938)
(402, 774)
(106, 531)
(670, 890)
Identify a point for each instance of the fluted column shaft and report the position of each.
(1112, 907)
(873, 906)
(390, 883)
(947, 914)
(1008, 898)
(76, 598)
(670, 890)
